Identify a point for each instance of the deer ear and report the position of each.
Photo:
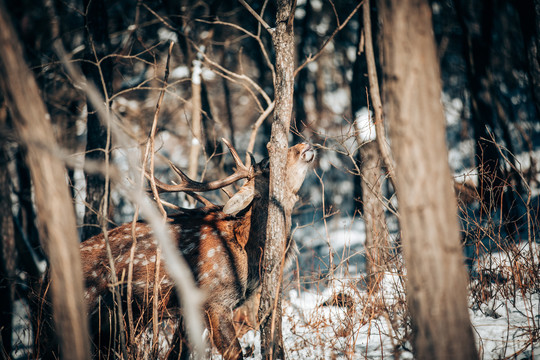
(239, 201)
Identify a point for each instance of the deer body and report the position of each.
(222, 245)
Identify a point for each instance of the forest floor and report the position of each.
(343, 320)
(335, 316)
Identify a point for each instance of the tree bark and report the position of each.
(97, 39)
(376, 244)
(277, 226)
(436, 278)
(55, 212)
(368, 185)
(8, 253)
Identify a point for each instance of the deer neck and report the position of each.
(251, 228)
(251, 234)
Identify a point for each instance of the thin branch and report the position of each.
(257, 16)
(104, 206)
(375, 94)
(311, 58)
(254, 128)
(153, 134)
(155, 305)
(172, 28)
(232, 74)
(149, 150)
(335, 12)
(225, 72)
(186, 290)
(240, 28)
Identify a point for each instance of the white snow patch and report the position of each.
(180, 72)
(364, 125)
(337, 100)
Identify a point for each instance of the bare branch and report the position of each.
(338, 29)
(177, 267)
(257, 16)
(239, 28)
(376, 95)
(254, 128)
(153, 134)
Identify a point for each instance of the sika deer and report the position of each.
(222, 245)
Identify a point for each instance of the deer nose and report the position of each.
(308, 154)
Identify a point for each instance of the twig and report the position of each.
(149, 150)
(155, 303)
(186, 290)
(375, 94)
(234, 75)
(257, 16)
(254, 128)
(330, 249)
(153, 134)
(104, 208)
(240, 28)
(338, 29)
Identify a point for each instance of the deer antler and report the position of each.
(188, 185)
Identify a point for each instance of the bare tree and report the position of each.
(279, 216)
(53, 201)
(370, 157)
(8, 252)
(436, 282)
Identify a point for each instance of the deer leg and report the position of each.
(223, 332)
(179, 349)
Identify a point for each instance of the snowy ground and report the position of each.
(506, 322)
(312, 331)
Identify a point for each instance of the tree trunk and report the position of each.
(26, 215)
(529, 18)
(368, 185)
(53, 202)
(270, 305)
(436, 282)
(476, 19)
(376, 244)
(8, 253)
(97, 39)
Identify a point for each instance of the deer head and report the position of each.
(223, 246)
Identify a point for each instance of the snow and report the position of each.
(180, 72)
(373, 328)
(167, 35)
(501, 328)
(365, 126)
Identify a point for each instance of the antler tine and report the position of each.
(252, 161)
(180, 173)
(201, 199)
(161, 186)
(187, 184)
(237, 160)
